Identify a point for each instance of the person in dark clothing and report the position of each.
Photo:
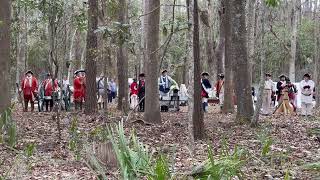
(141, 91)
(206, 89)
(292, 91)
(280, 86)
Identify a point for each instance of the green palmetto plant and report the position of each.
(133, 157)
(312, 166)
(227, 166)
(75, 144)
(8, 129)
(266, 142)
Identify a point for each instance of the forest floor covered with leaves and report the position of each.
(280, 146)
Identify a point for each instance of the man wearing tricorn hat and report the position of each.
(79, 89)
(306, 86)
(165, 82)
(206, 89)
(29, 87)
(49, 87)
(267, 92)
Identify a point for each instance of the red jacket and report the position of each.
(79, 90)
(134, 88)
(49, 87)
(218, 86)
(29, 86)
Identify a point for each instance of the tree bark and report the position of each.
(197, 116)
(255, 119)
(122, 62)
(91, 57)
(190, 70)
(317, 52)
(294, 22)
(5, 23)
(228, 104)
(22, 45)
(251, 19)
(211, 61)
(220, 49)
(152, 21)
(241, 62)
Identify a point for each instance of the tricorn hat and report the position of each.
(282, 75)
(29, 71)
(221, 75)
(268, 74)
(141, 75)
(205, 74)
(164, 71)
(307, 75)
(78, 71)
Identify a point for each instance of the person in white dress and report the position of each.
(306, 86)
(267, 92)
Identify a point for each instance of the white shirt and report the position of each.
(306, 94)
(268, 84)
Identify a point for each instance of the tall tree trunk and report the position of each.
(251, 19)
(152, 21)
(212, 64)
(294, 22)
(22, 45)
(77, 51)
(220, 49)
(197, 117)
(71, 55)
(143, 60)
(317, 52)
(262, 23)
(228, 104)
(241, 62)
(190, 70)
(91, 57)
(5, 35)
(122, 62)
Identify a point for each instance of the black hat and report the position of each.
(164, 71)
(306, 87)
(268, 75)
(141, 75)
(282, 75)
(29, 71)
(307, 75)
(205, 74)
(221, 75)
(48, 74)
(78, 71)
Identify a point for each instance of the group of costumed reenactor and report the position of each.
(48, 88)
(284, 92)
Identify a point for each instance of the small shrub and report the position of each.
(266, 142)
(8, 129)
(161, 170)
(227, 166)
(133, 157)
(312, 166)
(75, 144)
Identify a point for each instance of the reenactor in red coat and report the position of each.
(79, 89)
(50, 86)
(29, 87)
